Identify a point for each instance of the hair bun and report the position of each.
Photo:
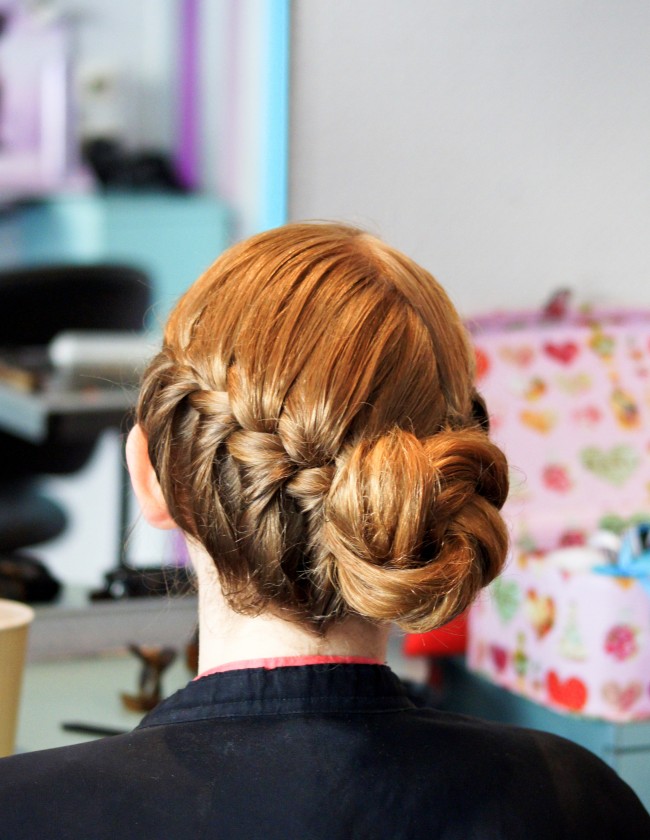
(412, 527)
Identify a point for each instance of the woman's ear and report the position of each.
(145, 482)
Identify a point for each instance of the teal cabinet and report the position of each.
(172, 237)
(625, 747)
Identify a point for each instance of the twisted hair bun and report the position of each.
(412, 526)
(312, 421)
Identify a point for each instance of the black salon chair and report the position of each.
(36, 304)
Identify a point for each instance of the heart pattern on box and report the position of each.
(570, 405)
(622, 697)
(556, 477)
(540, 611)
(570, 693)
(482, 363)
(507, 598)
(563, 352)
(539, 421)
(614, 465)
(618, 524)
(589, 416)
(575, 384)
(521, 356)
(499, 657)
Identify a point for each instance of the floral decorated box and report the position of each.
(569, 403)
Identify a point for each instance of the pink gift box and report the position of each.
(577, 642)
(569, 403)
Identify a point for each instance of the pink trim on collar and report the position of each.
(288, 661)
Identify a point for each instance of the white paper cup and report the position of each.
(15, 619)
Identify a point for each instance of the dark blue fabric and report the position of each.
(325, 751)
(295, 690)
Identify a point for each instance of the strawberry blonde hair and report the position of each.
(311, 421)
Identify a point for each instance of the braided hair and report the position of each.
(312, 421)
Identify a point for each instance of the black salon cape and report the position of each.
(336, 752)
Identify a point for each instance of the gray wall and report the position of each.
(503, 144)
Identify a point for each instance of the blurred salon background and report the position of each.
(503, 145)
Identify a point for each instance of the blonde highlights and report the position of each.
(310, 421)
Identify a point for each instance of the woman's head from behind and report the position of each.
(311, 422)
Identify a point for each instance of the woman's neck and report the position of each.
(226, 636)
